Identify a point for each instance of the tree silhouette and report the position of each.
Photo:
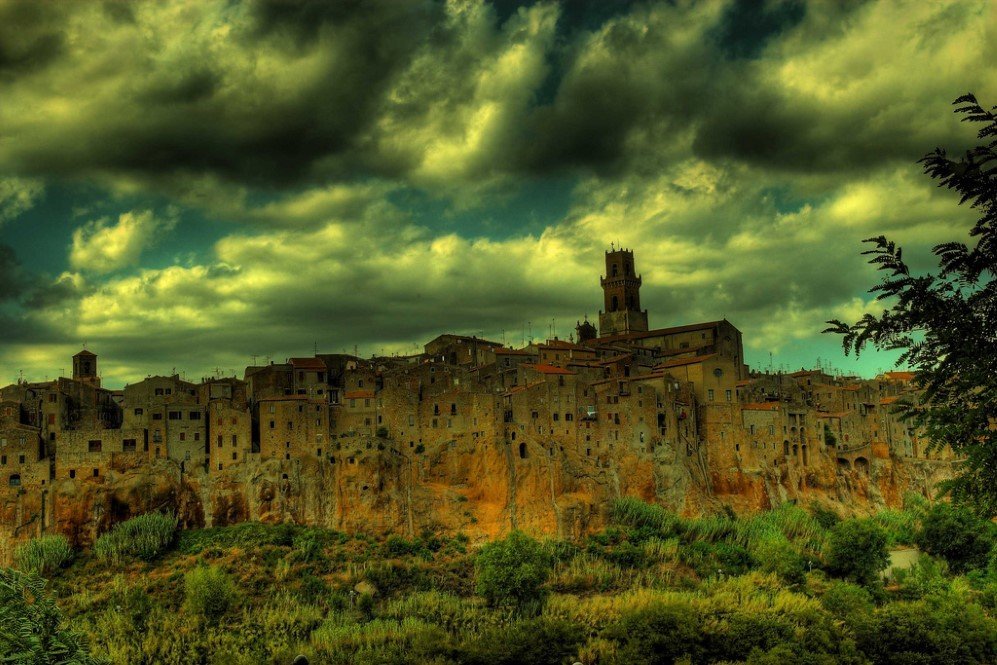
(945, 322)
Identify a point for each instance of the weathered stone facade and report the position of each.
(469, 436)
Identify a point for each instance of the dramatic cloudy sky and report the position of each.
(187, 184)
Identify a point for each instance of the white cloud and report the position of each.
(100, 246)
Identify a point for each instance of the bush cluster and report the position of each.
(144, 537)
(43, 555)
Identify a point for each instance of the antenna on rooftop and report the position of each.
(255, 356)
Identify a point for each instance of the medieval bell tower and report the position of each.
(621, 291)
(85, 368)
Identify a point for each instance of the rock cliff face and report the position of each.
(483, 490)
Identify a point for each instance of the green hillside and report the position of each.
(787, 586)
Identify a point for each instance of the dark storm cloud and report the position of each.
(31, 37)
(195, 113)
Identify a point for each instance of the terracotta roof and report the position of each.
(761, 406)
(548, 369)
(358, 394)
(679, 362)
(854, 387)
(889, 400)
(561, 344)
(899, 376)
(308, 363)
(744, 382)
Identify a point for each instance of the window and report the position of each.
(197, 436)
(195, 415)
(157, 416)
(128, 445)
(3, 460)
(183, 436)
(14, 480)
(159, 391)
(727, 395)
(20, 459)
(96, 473)
(138, 412)
(176, 415)
(219, 440)
(272, 424)
(235, 456)
(169, 391)
(94, 446)
(290, 424)
(709, 394)
(235, 440)
(72, 473)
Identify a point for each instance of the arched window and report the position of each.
(522, 451)
(14, 480)
(616, 304)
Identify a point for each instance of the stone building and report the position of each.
(473, 431)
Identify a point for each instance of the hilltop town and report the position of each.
(470, 435)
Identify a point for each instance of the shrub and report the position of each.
(43, 555)
(31, 624)
(777, 555)
(722, 558)
(539, 641)
(144, 537)
(659, 634)
(956, 535)
(826, 517)
(512, 571)
(934, 631)
(208, 592)
(856, 551)
(846, 601)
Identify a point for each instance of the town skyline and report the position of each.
(261, 177)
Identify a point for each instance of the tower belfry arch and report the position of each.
(621, 295)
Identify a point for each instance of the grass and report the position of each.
(143, 537)
(43, 555)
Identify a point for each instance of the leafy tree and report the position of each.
(31, 625)
(945, 323)
(856, 551)
(661, 633)
(957, 535)
(512, 571)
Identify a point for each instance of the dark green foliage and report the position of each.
(722, 558)
(658, 635)
(826, 517)
(957, 535)
(856, 551)
(943, 322)
(539, 641)
(513, 571)
(935, 631)
(253, 535)
(31, 626)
